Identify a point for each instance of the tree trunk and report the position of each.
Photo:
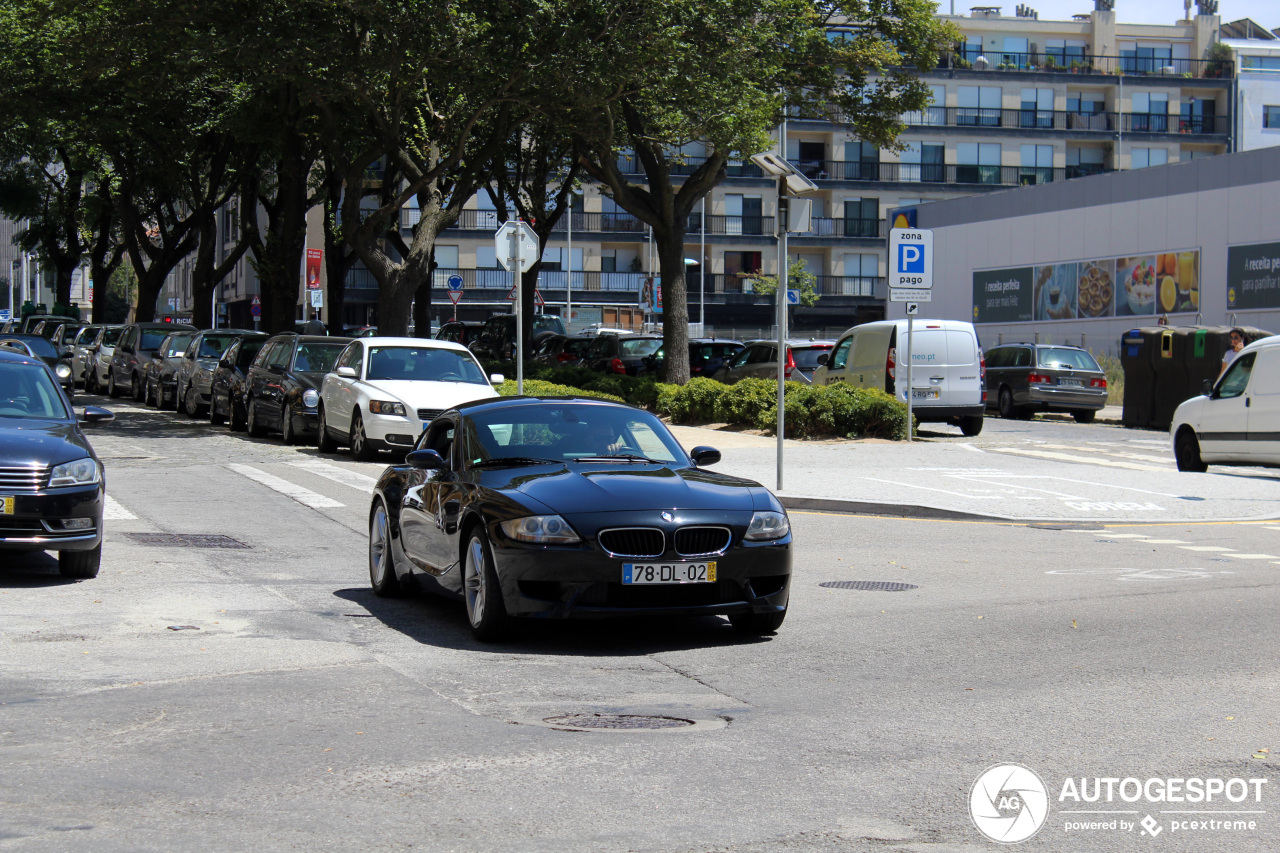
(422, 301)
(202, 277)
(528, 306)
(675, 304)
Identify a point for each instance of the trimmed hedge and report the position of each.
(832, 410)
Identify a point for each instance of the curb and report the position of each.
(887, 509)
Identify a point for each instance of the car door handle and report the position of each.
(1246, 402)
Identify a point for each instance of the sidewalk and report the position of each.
(1027, 481)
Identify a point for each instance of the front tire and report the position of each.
(758, 624)
(113, 390)
(483, 593)
(382, 564)
(324, 442)
(237, 420)
(81, 565)
(1186, 449)
(138, 389)
(286, 427)
(359, 442)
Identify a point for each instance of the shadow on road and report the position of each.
(437, 621)
(24, 571)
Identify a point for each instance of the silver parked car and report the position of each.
(194, 377)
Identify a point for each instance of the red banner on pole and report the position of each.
(314, 258)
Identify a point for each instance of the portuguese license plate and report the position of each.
(6, 506)
(1074, 383)
(924, 393)
(655, 573)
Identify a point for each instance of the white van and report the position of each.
(948, 374)
(1238, 421)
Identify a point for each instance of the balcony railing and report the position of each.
(944, 173)
(1065, 120)
(1161, 123)
(1140, 66)
(629, 164)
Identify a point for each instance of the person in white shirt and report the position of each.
(1237, 344)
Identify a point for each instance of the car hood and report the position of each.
(580, 488)
(309, 380)
(1189, 412)
(418, 394)
(28, 441)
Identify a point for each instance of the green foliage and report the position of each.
(695, 401)
(742, 402)
(541, 388)
(798, 278)
(1115, 377)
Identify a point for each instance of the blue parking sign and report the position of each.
(910, 258)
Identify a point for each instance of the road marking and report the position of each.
(969, 447)
(927, 489)
(111, 509)
(1066, 457)
(1124, 535)
(355, 480)
(1119, 455)
(1079, 482)
(1216, 549)
(306, 497)
(1165, 542)
(1012, 486)
(1144, 574)
(1251, 556)
(1272, 528)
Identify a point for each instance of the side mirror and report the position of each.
(824, 357)
(94, 415)
(1207, 388)
(156, 354)
(497, 378)
(276, 369)
(704, 455)
(427, 460)
(348, 372)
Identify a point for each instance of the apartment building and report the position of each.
(1256, 51)
(1017, 102)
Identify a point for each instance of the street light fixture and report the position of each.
(790, 183)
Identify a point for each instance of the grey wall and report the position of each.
(1206, 204)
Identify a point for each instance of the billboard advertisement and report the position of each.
(314, 258)
(1130, 286)
(1253, 276)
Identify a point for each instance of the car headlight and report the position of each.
(540, 529)
(383, 407)
(767, 525)
(310, 398)
(82, 472)
(63, 371)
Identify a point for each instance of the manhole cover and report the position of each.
(869, 586)
(1065, 526)
(616, 722)
(186, 540)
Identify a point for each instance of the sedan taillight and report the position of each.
(617, 366)
(1098, 383)
(791, 363)
(565, 356)
(1039, 379)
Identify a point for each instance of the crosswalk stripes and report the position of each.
(113, 511)
(337, 474)
(306, 497)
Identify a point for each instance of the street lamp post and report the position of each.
(790, 183)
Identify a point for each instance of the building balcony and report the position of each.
(936, 173)
(1112, 66)
(1062, 120)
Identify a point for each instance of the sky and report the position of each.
(1265, 12)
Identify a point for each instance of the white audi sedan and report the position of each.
(383, 391)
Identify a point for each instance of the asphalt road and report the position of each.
(294, 710)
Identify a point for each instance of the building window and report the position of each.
(861, 161)
(978, 163)
(1036, 165)
(446, 257)
(1271, 117)
(978, 105)
(1199, 115)
(923, 161)
(1144, 157)
(935, 113)
(1144, 59)
(1037, 108)
(1063, 52)
(1085, 161)
(1150, 112)
(860, 274)
(862, 217)
(1260, 63)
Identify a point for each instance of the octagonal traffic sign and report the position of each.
(516, 245)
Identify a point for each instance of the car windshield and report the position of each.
(177, 346)
(577, 346)
(110, 336)
(548, 323)
(27, 391)
(213, 346)
(423, 364)
(807, 357)
(566, 432)
(151, 339)
(644, 346)
(317, 358)
(1074, 358)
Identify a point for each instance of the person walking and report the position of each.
(1237, 344)
(314, 326)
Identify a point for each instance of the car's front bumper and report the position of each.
(37, 520)
(584, 582)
